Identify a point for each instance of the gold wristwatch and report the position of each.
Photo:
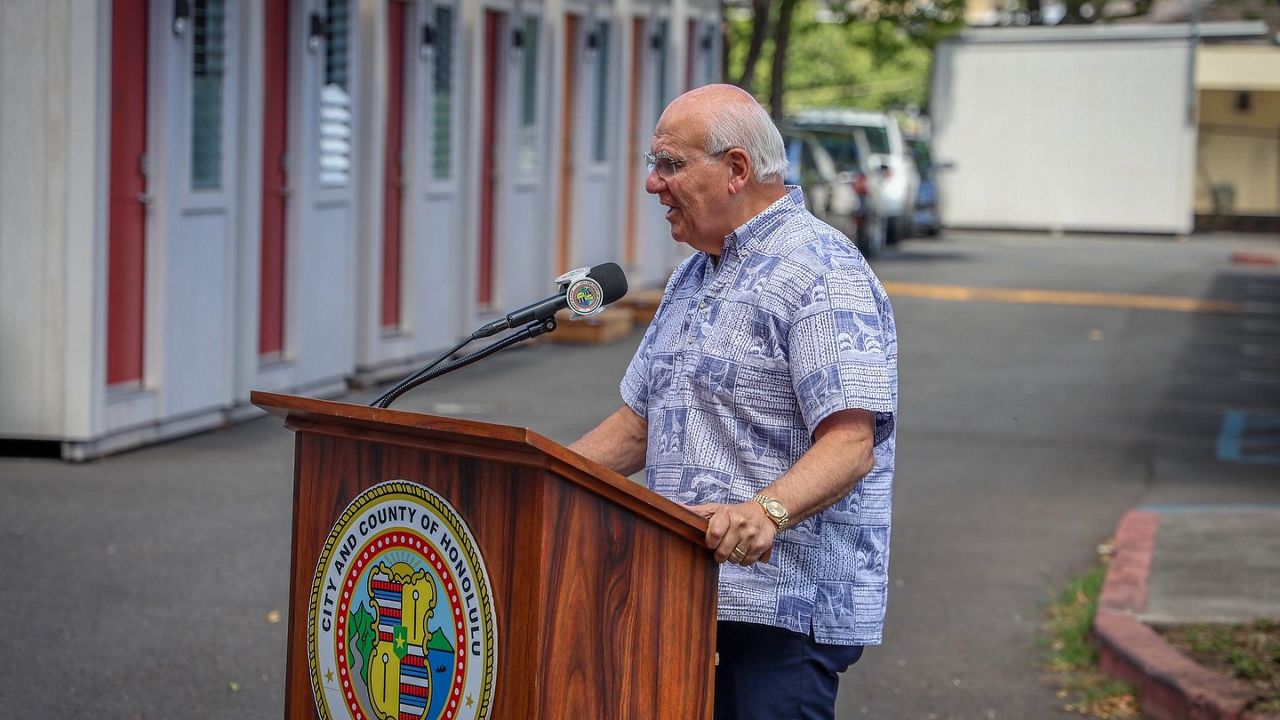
(776, 511)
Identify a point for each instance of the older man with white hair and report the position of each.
(764, 395)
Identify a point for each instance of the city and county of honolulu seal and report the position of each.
(401, 622)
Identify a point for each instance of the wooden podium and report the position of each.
(603, 592)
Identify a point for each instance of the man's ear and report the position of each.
(739, 169)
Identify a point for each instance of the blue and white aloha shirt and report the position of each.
(742, 361)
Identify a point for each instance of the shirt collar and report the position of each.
(757, 228)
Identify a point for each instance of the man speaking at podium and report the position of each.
(763, 396)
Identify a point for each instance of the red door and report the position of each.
(127, 212)
(493, 22)
(392, 170)
(275, 188)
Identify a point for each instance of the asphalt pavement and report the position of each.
(152, 584)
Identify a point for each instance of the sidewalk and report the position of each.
(1179, 565)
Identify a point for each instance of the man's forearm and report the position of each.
(841, 456)
(618, 443)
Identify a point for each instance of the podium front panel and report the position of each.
(600, 611)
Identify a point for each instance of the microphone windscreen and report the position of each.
(612, 281)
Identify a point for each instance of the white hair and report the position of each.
(729, 127)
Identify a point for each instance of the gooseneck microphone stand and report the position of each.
(430, 372)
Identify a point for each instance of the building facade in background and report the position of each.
(1238, 143)
(208, 197)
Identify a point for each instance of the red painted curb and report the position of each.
(1252, 258)
(1125, 589)
(1171, 686)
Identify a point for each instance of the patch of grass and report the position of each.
(1072, 655)
(1250, 653)
(1070, 616)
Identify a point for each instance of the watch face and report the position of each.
(775, 508)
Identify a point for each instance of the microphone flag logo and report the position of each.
(401, 623)
(585, 296)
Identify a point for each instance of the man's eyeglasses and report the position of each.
(668, 166)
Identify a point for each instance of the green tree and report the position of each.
(781, 41)
(1086, 12)
(759, 31)
(836, 53)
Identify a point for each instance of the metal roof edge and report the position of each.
(1252, 29)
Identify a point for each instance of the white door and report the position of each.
(191, 268)
(596, 147)
(435, 243)
(658, 253)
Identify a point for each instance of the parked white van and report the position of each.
(881, 142)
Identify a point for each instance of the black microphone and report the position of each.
(585, 291)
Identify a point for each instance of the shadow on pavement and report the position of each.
(1221, 440)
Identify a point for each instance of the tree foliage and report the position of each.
(755, 46)
(1086, 12)
(781, 41)
(808, 53)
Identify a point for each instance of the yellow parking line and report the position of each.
(956, 293)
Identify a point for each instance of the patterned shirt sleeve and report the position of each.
(635, 383)
(839, 349)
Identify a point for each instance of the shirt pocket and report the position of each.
(763, 343)
(715, 381)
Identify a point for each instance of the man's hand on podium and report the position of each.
(741, 534)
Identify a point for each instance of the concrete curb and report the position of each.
(1171, 686)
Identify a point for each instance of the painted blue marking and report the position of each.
(1233, 436)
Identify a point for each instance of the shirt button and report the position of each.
(690, 340)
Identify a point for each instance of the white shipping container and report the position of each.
(1075, 129)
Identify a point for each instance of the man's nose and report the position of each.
(654, 183)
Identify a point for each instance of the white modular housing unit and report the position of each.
(1069, 128)
(205, 198)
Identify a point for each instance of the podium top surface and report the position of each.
(491, 441)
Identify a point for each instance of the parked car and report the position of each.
(925, 219)
(880, 141)
(871, 222)
(836, 189)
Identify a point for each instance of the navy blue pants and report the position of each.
(767, 673)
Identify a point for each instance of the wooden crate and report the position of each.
(613, 324)
(644, 303)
